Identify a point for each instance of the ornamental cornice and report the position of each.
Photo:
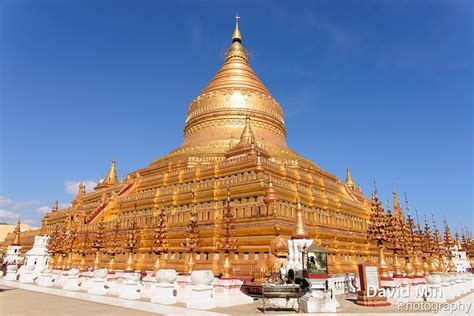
(223, 120)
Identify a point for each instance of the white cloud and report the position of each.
(72, 187)
(20, 205)
(4, 201)
(31, 222)
(8, 216)
(27, 210)
(43, 209)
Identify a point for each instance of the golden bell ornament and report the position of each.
(227, 267)
(96, 260)
(190, 263)
(157, 264)
(112, 265)
(130, 262)
(397, 266)
(383, 267)
(409, 269)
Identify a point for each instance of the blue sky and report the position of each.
(385, 87)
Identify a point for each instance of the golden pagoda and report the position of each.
(234, 141)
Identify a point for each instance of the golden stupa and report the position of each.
(234, 141)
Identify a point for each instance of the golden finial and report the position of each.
(112, 174)
(349, 181)
(374, 193)
(406, 203)
(16, 241)
(236, 36)
(397, 210)
(433, 220)
(55, 206)
(82, 189)
(448, 239)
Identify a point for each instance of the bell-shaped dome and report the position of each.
(218, 115)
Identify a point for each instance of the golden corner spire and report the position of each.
(16, 241)
(55, 206)
(299, 231)
(349, 181)
(236, 36)
(82, 189)
(271, 195)
(112, 174)
(247, 136)
(374, 193)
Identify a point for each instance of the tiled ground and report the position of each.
(14, 301)
(20, 302)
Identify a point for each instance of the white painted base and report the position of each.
(60, 279)
(183, 288)
(201, 297)
(115, 287)
(72, 283)
(97, 287)
(85, 283)
(130, 291)
(318, 304)
(146, 289)
(27, 277)
(45, 280)
(10, 276)
(162, 293)
(183, 292)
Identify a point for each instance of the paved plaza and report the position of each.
(24, 299)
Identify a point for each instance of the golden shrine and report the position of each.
(228, 198)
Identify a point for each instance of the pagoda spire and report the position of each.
(55, 207)
(418, 224)
(436, 236)
(82, 189)
(112, 174)
(16, 240)
(247, 137)
(299, 231)
(349, 181)
(236, 36)
(375, 192)
(378, 220)
(397, 210)
(457, 241)
(448, 239)
(271, 195)
(427, 237)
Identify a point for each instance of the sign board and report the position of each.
(369, 276)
